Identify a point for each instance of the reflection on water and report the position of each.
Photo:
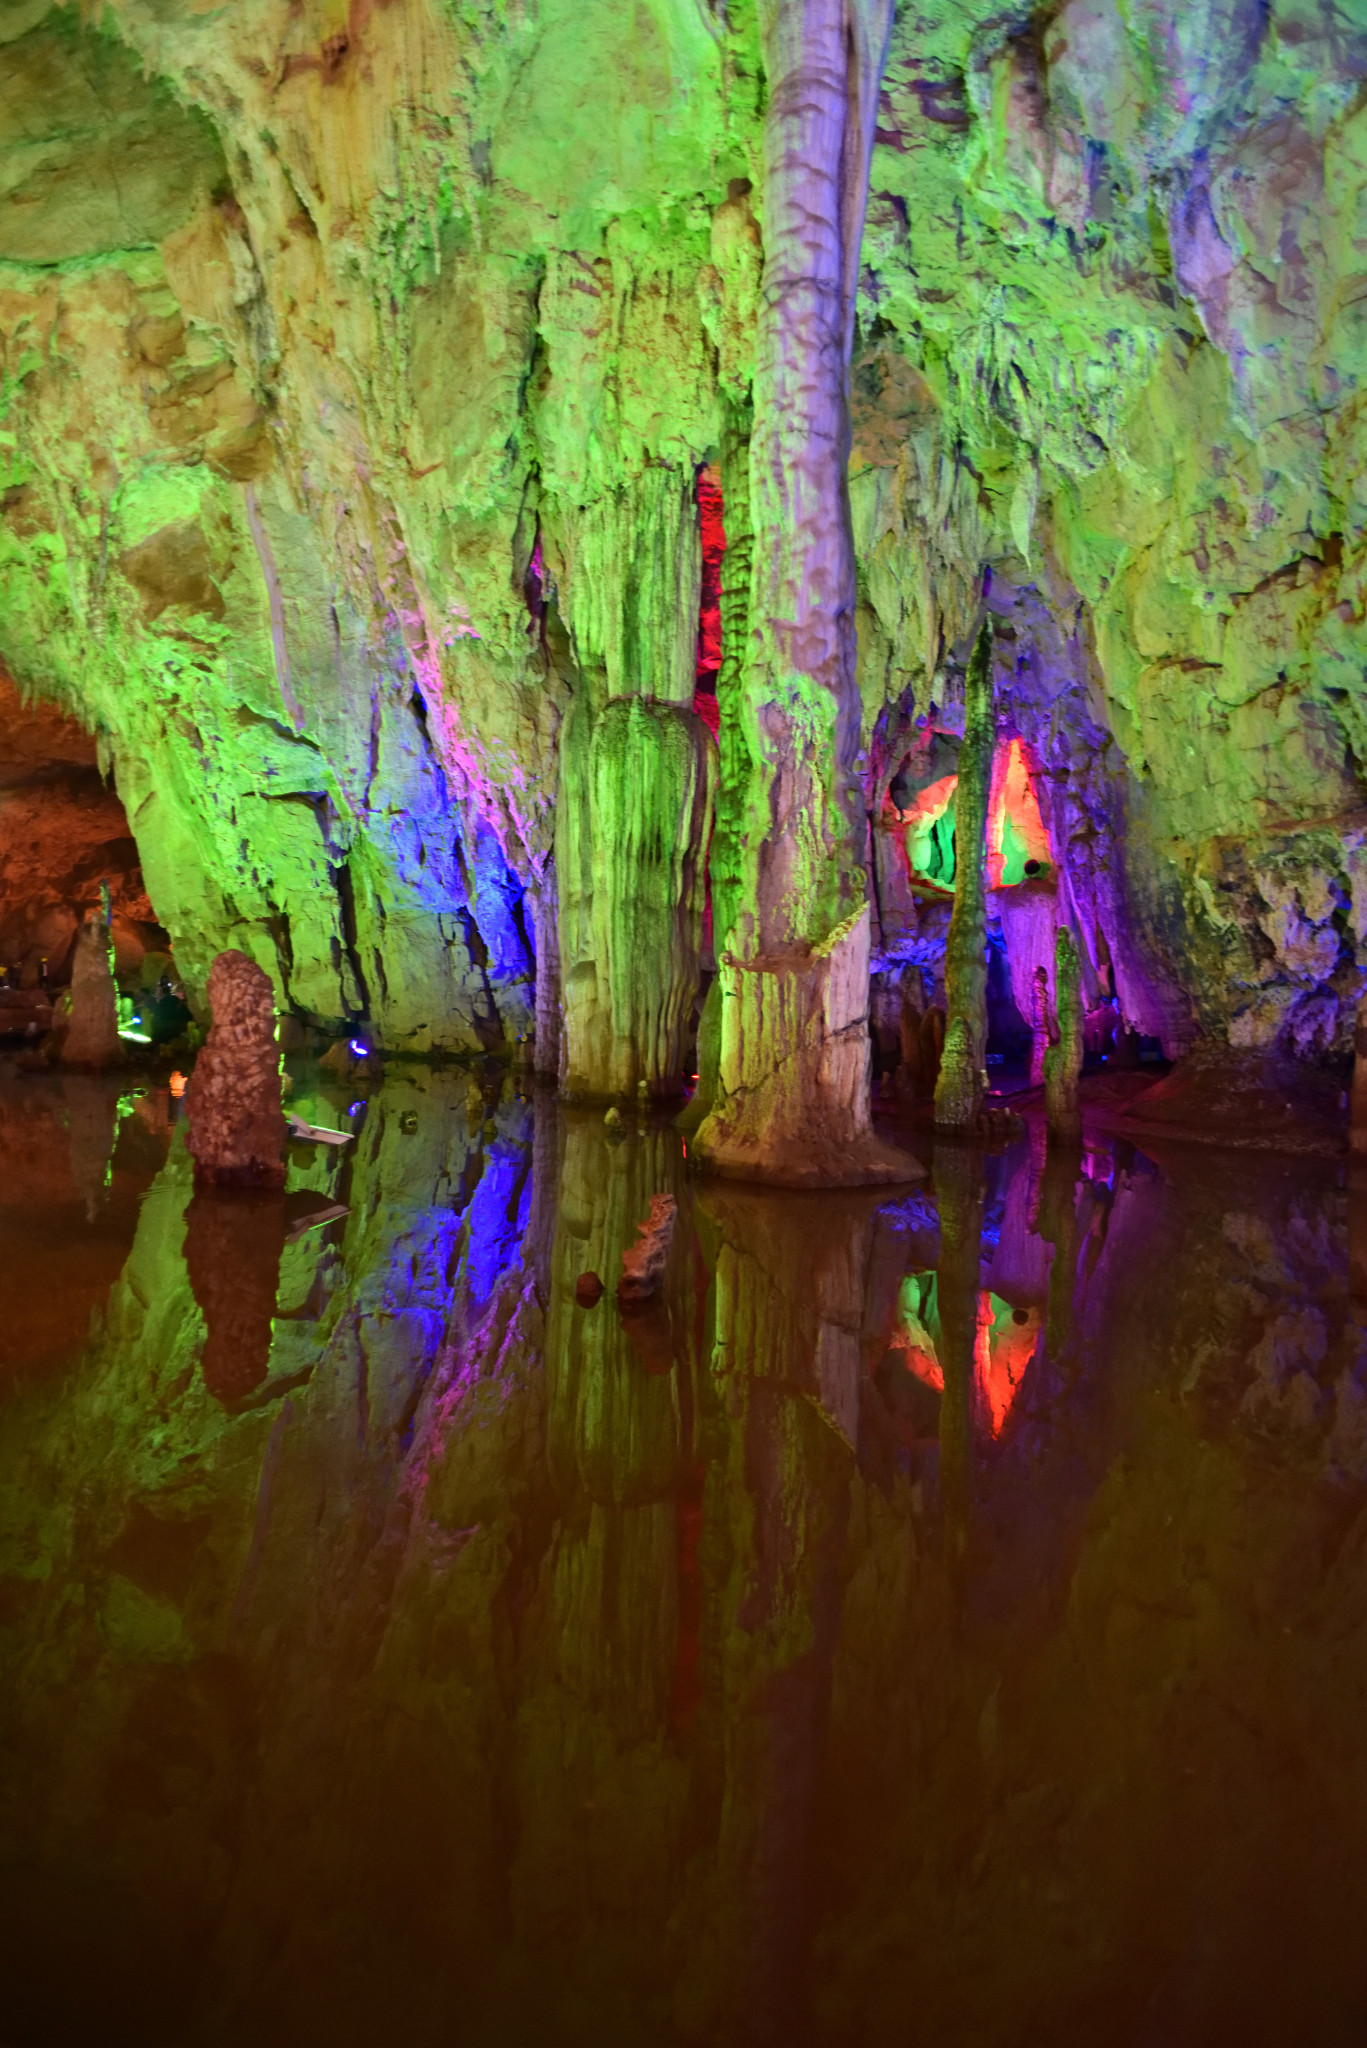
(933, 1616)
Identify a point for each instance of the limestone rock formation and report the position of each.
(237, 1126)
(1088, 321)
(91, 1039)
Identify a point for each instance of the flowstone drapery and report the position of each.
(632, 823)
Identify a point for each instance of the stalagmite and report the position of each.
(92, 1037)
(793, 1071)
(1063, 1061)
(1039, 1025)
(962, 1083)
(237, 1127)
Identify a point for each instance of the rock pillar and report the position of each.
(237, 1127)
(963, 1066)
(1063, 1061)
(92, 1037)
(792, 1099)
(796, 953)
(632, 822)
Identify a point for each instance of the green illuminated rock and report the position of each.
(355, 378)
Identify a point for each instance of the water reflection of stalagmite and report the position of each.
(959, 1194)
(233, 1242)
(619, 1430)
(91, 1112)
(1057, 1226)
(794, 1298)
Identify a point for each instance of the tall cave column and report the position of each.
(959, 1090)
(793, 1084)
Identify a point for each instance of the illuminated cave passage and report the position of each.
(712, 1387)
(63, 833)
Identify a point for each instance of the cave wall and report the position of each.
(359, 362)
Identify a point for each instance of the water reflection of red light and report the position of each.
(1002, 1355)
(1003, 1347)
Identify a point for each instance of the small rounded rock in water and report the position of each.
(588, 1289)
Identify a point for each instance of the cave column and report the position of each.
(963, 1065)
(793, 1085)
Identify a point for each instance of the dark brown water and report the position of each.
(939, 1618)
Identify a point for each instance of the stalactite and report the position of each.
(959, 1090)
(1063, 1061)
(632, 825)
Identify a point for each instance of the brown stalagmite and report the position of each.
(92, 1037)
(960, 1088)
(1063, 1061)
(237, 1127)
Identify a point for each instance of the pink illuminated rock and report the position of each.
(237, 1127)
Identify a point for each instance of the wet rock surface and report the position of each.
(957, 1596)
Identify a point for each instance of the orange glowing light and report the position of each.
(1015, 829)
(178, 1083)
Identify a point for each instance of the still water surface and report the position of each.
(941, 1617)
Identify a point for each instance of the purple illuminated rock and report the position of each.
(237, 1127)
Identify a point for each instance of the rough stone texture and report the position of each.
(237, 1127)
(62, 833)
(324, 623)
(632, 829)
(91, 1038)
(791, 1104)
(1063, 1061)
(962, 1079)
